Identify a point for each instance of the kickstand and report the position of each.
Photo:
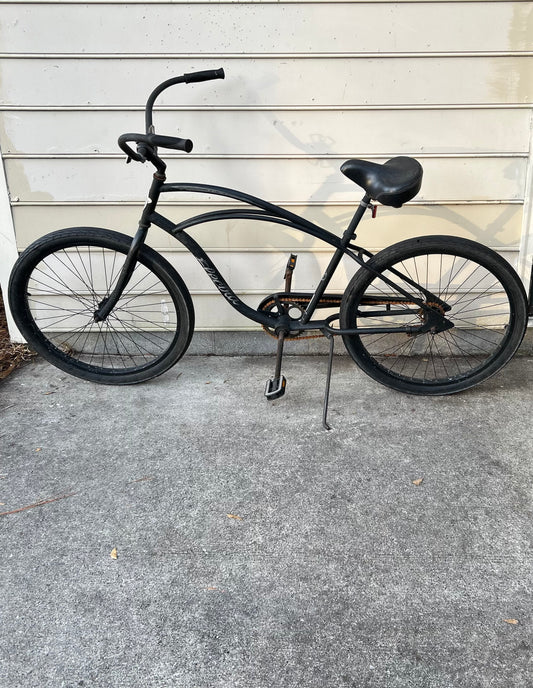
(275, 387)
(325, 423)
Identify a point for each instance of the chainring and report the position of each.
(291, 301)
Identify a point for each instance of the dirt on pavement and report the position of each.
(11, 355)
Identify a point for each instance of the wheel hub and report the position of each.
(433, 318)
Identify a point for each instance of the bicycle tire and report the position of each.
(58, 283)
(488, 308)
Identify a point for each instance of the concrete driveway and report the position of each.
(255, 550)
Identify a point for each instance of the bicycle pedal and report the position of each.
(275, 387)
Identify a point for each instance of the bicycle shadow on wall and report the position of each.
(495, 233)
(498, 232)
(314, 206)
(495, 223)
(325, 197)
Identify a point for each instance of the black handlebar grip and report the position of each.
(206, 75)
(152, 140)
(169, 142)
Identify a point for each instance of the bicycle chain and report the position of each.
(298, 300)
(305, 301)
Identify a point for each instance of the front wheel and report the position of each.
(59, 282)
(487, 306)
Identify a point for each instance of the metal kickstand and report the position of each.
(325, 423)
(275, 387)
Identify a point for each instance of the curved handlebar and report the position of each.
(191, 78)
(206, 75)
(148, 143)
(153, 141)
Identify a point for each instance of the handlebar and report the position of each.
(147, 143)
(193, 77)
(206, 75)
(152, 141)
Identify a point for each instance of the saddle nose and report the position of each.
(393, 183)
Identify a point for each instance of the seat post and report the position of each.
(349, 234)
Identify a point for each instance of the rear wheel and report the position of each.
(488, 309)
(59, 282)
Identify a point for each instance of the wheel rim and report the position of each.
(480, 309)
(66, 287)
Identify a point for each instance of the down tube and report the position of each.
(220, 283)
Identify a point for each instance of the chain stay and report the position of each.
(326, 301)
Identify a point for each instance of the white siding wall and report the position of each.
(308, 85)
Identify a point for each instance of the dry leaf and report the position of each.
(418, 481)
(514, 622)
(114, 554)
(237, 518)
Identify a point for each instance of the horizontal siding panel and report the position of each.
(261, 273)
(264, 27)
(272, 81)
(299, 180)
(235, 2)
(353, 133)
(497, 226)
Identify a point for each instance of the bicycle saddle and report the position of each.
(393, 183)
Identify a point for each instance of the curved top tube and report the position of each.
(272, 210)
(261, 210)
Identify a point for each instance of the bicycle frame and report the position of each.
(261, 210)
(264, 211)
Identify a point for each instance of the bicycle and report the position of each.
(430, 315)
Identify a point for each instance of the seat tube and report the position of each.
(348, 235)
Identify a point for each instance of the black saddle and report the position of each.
(393, 183)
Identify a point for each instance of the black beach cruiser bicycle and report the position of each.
(430, 315)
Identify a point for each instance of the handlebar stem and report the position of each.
(147, 143)
(151, 100)
(193, 77)
(151, 155)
